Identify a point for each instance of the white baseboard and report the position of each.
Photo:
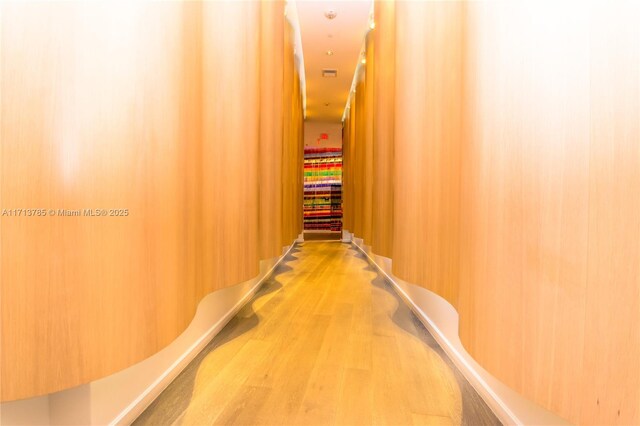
(131, 412)
(120, 398)
(441, 319)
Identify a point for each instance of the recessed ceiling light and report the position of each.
(372, 25)
(363, 61)
(330, 14)
(329, 52)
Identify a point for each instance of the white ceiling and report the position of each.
(344, 35)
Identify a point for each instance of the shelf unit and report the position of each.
(323, 189)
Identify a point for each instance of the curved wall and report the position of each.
(230, 111)
(516, 189)
(292, 153)
(383, 127)
(349, 180)
(550, 284)
(361, 192)
(366, 142)
(150, 107)
(271, 129)
(427, 135)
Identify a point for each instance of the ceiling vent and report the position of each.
(329, 73)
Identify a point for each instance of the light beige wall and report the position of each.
(313, 130)
(150, 107)
(383, 128)
(359, 158)
(427, 138)
(272, 51)
(516, 190)
(550, 284)
(366, 139)
(231, 108)
(293, 149)
(348, 169)
(88, 122)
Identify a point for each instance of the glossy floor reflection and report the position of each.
(325, 341)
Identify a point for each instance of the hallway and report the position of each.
(325, 341)
(319, 212)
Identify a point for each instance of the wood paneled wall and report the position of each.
(361, 192)
(272, 61)
(428, 131)
(293, 151)
(383, 67)
(516, 190)
(348, 172)
(149, 107)
(366, 141)
(346, 178)
(550, 290)
(231, 105)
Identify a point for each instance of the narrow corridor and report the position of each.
(325, 341)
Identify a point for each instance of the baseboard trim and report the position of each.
(137, 406)
(510, 407)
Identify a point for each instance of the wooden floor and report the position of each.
(325, 341)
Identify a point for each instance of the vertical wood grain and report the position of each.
(611, 327)
(293, 144)
(88, 123)
(360, 160)
(383, 119)
(230, 142)
(346, 176)
(516, 186)
(298, 114)
(353, 187)
(192, 113)
(427, 138)
(287, 149)
(367, 139)
(272, 51)
(549, 281)
(523, 170)
(348, 182)
(150, 107)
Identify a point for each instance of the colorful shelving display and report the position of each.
(323, 189)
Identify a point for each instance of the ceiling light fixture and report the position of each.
(329, 52)
(330, 14)
(372, 25)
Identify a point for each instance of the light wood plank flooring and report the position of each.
(325, 341)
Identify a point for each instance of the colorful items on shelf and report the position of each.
(323, 189)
